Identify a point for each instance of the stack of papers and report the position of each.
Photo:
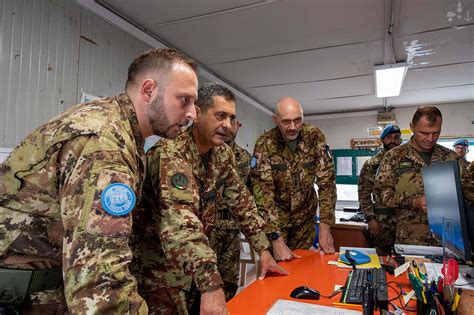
(286, 307)
(371, 252)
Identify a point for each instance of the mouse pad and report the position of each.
(359, 257)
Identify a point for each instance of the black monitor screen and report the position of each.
(444, 199)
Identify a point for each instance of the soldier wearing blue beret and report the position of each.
(381, 221)
(461, 147)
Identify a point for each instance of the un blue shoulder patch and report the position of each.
(253, 162)
(118, 199)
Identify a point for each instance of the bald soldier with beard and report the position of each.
(287, 161)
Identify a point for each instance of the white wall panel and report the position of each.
(39, 46)
(254, 123)
(52, 50)
(105, 54)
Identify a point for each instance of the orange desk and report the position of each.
(311, 270)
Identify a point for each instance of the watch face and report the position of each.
(274, 236)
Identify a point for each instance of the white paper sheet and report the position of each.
(344, 166)
(434, 272)
(286, 307)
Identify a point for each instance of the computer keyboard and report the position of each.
(356, 281)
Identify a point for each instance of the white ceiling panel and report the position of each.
(320, 52)
(362, 85)
(438, 77)
(313, 65)
(435, 96)
(148, 13)
(355, 103)
(447, 46)
(421, 15)
(276, 28)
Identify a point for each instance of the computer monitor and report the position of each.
(444, 199)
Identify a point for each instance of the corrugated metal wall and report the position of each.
(52, 50)
(105, 53)
(39, 47)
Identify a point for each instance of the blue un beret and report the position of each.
(388, 130)
(462, 142)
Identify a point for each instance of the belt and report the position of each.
(224, 214)
(390, 211)
(17, 284)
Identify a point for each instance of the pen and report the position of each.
(357, 306)
(440, 284)
(424, 297)
(415, 267)
(457, 297)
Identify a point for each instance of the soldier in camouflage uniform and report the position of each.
(381, 221)
(399, 183)
(67, 190)
(225, 237)
(461, 147)
(188, 179)
(286, 162)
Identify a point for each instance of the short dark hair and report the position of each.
(158, 60)
(208, 90)
(431, 113)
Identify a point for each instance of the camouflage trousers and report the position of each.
(384, 241)
(299, 236)
(226, 244)
(415, 233)
(48, 302)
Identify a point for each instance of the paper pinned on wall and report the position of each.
(86, 97)
(360, 162)
(344, 166)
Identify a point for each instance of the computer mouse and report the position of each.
(305, 292)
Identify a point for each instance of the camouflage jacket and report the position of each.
(242, 158)
(465, 163)
(178, 220)
(283, 183)
(366, 183)
(400, 180)
(55, 177)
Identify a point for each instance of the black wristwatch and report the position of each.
(274, 236)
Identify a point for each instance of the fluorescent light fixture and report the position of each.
(389, 79)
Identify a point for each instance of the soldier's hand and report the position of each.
(420, 203)
(269, 265)
(281, 252)
(326, 242)
(374, 227)
(213, 303)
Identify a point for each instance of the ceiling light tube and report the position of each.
(389, 79)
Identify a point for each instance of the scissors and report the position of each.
(450, 275)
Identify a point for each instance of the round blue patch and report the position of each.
(253, 162)
(118, 199)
